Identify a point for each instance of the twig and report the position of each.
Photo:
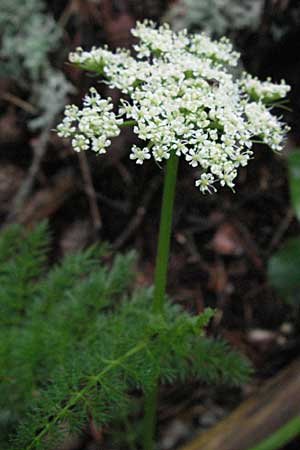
(282, 228)
(26, 106)
(124, 172)
(39, 149)
(46, 202)
(131, 228)
(86, 10)
(137, 219)
(119, 205)
(194, 254)
(250, 246)
(273, 405)
(90, 192)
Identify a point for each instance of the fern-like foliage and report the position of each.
(75, 342)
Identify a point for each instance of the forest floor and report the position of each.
(221, 243)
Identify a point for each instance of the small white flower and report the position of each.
(205, 183)
(71, 112)
(76, 57)
(160, 153)
(193, 157)
(80, 142)
(213, 134)
(227, 178)
(180, 148)
(99, 144)
(65, 129)
(241, 159)
(139, 154)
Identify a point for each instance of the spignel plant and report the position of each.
(183, 100)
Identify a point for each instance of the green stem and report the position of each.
(163, 248)
(128, 123)
(160, 279)
(93, 380)
(150, 403)
(281, 437)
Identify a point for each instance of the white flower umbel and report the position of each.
(264, 90)
(182, 97)
(92, 126)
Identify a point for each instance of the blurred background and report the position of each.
(237, 252)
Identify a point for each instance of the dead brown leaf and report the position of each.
(226, 241)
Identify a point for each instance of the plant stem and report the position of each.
(160, 279)
(163, 247)
(281, 437)
(79, 395)
(128, 123)
(150, 403)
